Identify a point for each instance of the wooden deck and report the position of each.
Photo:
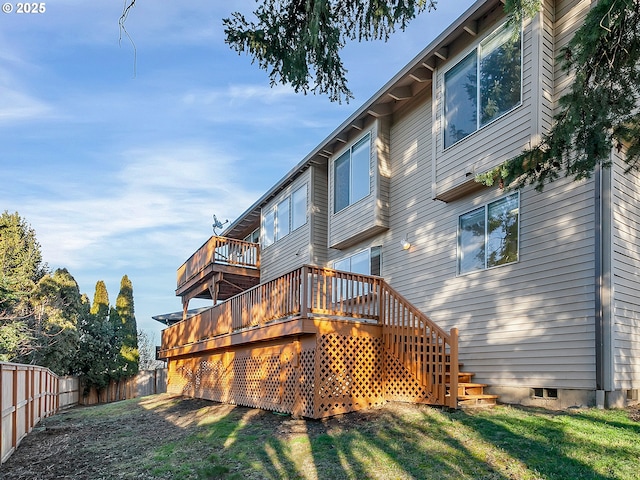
(220, 269)
(316, 342)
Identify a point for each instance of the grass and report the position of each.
(398, 441)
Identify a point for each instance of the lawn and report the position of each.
(164, 437)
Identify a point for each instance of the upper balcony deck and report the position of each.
(219, 269)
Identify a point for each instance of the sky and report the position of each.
(118, 151)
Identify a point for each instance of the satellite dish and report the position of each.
(218, 224)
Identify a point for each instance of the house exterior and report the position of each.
(543, 288)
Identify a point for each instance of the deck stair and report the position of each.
(471, 394)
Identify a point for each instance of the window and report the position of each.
(488, 236)
(282, 218)
(268, 228)
(288, 215)
(299, 207)
(484, 85)
(366, 262)
(351, 174)
(253, 237)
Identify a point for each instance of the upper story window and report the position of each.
(287, 215)
(488, 236)
(283, 224)
(351, 174)
(299, 207)
(484, 85)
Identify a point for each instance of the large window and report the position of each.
(269, 227)
(351, 174)
(488, 236)
(283, 225)
(299, 207)
(366, 262)
(484, 85)
(289, 214)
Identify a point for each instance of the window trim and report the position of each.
(349, 151)
(485, 206)
(461, 57)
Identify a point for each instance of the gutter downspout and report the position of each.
(603, 353)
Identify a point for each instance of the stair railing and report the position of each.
(422, 347)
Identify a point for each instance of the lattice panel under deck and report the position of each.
(349, 375)
(401, 385)
(213, 380)
(256, 381)
(260, 379)
(306, 383)
(180, 378)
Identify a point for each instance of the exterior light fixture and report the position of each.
(405, 243)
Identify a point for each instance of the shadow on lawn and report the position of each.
(378, 444)
(401, 442)
(548, 443)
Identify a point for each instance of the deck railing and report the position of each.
(328, 292)
(429, 353)
(222, 251)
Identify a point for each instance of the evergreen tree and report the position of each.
(58, 309)
(100, 306)
(21, 267)
(127, 363)
(96, 356)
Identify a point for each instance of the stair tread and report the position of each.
(474, 396)
(471, 384)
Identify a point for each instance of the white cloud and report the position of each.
(18, 106)
(155, 190)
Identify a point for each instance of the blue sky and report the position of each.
(118, 161)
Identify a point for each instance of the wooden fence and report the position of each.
(29, 393)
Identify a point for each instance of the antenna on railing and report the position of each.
(217, 224)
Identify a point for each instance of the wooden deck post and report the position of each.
(453, 368)
(304, 292)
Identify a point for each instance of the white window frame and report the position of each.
(477, 49)
(486, 239)
(347, 156)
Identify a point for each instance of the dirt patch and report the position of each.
(73, 445)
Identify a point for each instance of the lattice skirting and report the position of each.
(333, 372)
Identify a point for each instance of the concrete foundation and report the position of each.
(543, 397)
